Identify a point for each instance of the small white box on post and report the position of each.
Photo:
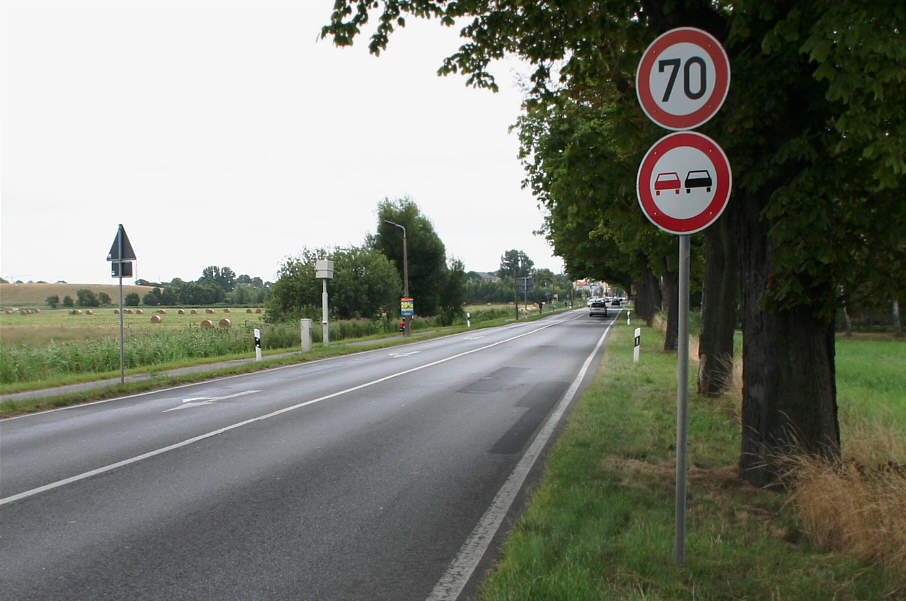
(306, 334)
(324, 272)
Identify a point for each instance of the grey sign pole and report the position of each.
(119, 239)
(682, 399)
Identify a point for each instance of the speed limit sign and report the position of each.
(683, 78)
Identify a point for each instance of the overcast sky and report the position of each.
(226, 133)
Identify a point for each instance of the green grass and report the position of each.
(870, 380)
(600, 524)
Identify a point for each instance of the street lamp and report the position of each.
(405, 272)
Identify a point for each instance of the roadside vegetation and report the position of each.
(600, 525)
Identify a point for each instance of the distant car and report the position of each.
(698, 179)
(616, 302)
(667, 181)
(597, 308)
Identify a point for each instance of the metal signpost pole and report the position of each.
(122, 348)
(682, 399)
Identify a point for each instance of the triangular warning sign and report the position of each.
(127, 253)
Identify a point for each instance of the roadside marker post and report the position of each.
(681, 82)
(257, 344)
(324, 272)
(637, 345)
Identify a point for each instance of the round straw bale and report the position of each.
(128, 311)
(207, 323)
(36, 310)
(209, 310)
(227, 310)
(257, 310)
(180, 312)
(139, 312)
(194, 311)
(116, 311)
(156, 319)
(225, 323)
(162, 311)
(248, 310)
(89, 312)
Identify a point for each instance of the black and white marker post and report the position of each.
(683, 183)
(121, 256)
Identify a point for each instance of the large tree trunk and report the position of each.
(789, 397)
(648, 296)
(719, 299)
(670, 296)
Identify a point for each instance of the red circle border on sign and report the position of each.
(723, 178)
(718, 55)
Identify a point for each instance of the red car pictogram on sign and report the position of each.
(667, 181)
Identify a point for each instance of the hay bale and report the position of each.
(128, 311)
(207, 323)
(225, 323)
(156, 319)
(180, 312)
(139, 312)
(89, 312)
(116, 311)
(194, 312)
(9, 311)
(73, 312)
(227, 310)
(37, 310)
(257, 310)
(248, 310)
(209, 310)
(162, 311)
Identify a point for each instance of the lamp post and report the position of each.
(405, 271)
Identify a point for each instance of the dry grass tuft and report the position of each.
(854, 508)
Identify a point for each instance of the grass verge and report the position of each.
(600, 524)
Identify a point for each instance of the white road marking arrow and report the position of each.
(398, 355)
(207, 400)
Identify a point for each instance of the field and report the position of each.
(33, 295)
(61, 325)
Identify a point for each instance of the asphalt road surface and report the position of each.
(380, 475)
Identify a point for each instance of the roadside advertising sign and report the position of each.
(407, 307)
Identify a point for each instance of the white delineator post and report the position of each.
(627, 316)
(257, 344)
(637, 345)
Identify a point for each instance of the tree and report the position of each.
(426, 253)
(86, 298)
(104, 298)
(67, 301)
(515, 264)
(52, 301)
(365, 284)
(816, 113)
(152, 298)
(131, 300)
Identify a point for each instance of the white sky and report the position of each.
(226, 133)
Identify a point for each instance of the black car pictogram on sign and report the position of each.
(698, 179)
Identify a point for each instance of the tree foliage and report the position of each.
(365, 284)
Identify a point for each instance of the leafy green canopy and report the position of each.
(814, 125)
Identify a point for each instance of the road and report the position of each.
(358, 477)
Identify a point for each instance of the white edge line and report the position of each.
(460, 570)
(113, 466)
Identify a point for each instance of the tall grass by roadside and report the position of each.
(858, 504)
(600, 524)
